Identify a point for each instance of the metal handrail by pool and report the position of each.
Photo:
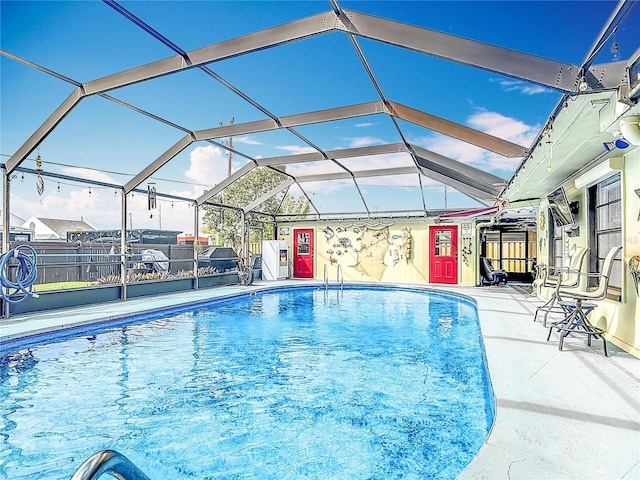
(111, 462)
(326, 276)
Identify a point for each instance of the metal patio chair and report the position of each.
(576, 310)
(558, 278)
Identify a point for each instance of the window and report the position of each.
(304, 239)
(605, 222)
(442, 247)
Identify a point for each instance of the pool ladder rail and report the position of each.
(111, 462)
(339, 276)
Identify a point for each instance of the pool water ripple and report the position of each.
(298, 383)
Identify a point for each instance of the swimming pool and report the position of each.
(287, 383)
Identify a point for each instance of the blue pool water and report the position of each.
(292, 383)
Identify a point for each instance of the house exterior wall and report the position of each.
(41, 231)
(619, 318)
(390, 250)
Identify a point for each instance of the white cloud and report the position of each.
(325, 188)
(507, 128)
(364, 125)
(523, 87)
(356, 164)
(295, 149)
(89, 174)
(395, 181)
(355, 142)
(494, 124)
(247, 140)
(312, 168)
(101, 208)
(208, 165)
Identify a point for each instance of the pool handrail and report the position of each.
(111, 462)
(326, 276)
(339, 276)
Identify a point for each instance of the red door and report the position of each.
(303, 253)
(443, 259)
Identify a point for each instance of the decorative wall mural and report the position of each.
(372, 251)
(368, 249)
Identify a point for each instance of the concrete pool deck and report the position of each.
(571, 414)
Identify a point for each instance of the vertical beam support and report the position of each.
(123, 247)
(6, 226)
(6, 214)
(500, 250)
(243, 244)
(196, 237)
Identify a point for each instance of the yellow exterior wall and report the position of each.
(367, 257)
(619, 319)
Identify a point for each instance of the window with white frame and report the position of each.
(605, 222)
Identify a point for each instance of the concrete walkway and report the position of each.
(573, 414)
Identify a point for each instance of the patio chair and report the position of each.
(490, 275)
(577, 311)
(560, 277)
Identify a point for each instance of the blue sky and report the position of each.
(85, 40)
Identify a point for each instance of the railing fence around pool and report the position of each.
(74, 275)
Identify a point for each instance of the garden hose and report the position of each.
(26, 272)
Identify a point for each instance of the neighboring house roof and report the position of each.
(58, 228)
(16, 221)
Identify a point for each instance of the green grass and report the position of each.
(59, 286)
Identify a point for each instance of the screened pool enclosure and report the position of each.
(150, 115)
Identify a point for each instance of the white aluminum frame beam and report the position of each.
(270, 37)
(178, 147)
(531, 68)
(380, 172)
(308, 118)
(271, 193)
(446, 127)
(334, 154)
(468, 52)
(225, 183)
(339, 113)
(459, 186)
(550, 73)
(482, 184)
(456, 130)
(45, 129)
(267, 38)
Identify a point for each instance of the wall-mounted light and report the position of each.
(620, 142)
(574, 207)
